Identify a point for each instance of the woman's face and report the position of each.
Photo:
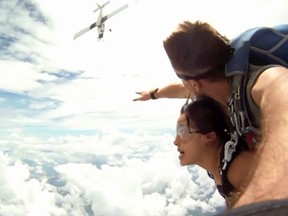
(189, 142)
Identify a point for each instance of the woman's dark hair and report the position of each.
(208, 115)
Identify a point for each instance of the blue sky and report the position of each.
(72, 142)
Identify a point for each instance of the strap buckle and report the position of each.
(229, 148)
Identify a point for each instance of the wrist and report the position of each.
(152, 93)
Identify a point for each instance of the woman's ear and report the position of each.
(210, 137)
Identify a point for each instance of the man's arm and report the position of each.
(269, 180)
(174, 90)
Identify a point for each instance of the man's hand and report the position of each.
(143, 96)
(173, 90)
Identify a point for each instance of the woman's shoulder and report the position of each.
(240, 169)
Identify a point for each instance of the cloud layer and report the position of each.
(72, 141)
(123, 174)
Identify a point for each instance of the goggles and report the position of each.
(200, 75)
(182, 129)
(185, 77)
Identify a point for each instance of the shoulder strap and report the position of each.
(227, 186)
(259, 46)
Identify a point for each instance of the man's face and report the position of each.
(188, 82)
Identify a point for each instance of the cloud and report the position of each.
(72, 141)
(134, 174)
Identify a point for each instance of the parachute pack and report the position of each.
(257, 46)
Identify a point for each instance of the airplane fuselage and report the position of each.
(100, 25)
(100, 21)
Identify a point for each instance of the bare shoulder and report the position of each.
(272, 74)
(240, 169)
(268, 79)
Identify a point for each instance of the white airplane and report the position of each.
(100, 21)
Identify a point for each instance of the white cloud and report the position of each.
(123, 174)
(72, 141)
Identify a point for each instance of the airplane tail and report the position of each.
(101, 6)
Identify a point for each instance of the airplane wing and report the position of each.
(78, 34)
(113, 13)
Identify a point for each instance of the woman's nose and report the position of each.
(176, 140)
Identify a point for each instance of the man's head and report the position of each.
(197, 51)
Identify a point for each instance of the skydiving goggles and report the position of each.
(201, 75)
(182, 129)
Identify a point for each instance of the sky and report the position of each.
(72, 141)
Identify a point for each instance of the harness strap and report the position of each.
(229, 149)
(237, 149)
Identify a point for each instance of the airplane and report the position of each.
(100, 21)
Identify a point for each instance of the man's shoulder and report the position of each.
(265, 79)
(270, 73)
(261, 68)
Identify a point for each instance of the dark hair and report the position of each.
(196, 48)
(208, 115)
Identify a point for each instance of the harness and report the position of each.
(258, 46)
(227, 188)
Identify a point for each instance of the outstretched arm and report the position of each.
(174, 90)
(270, 180)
